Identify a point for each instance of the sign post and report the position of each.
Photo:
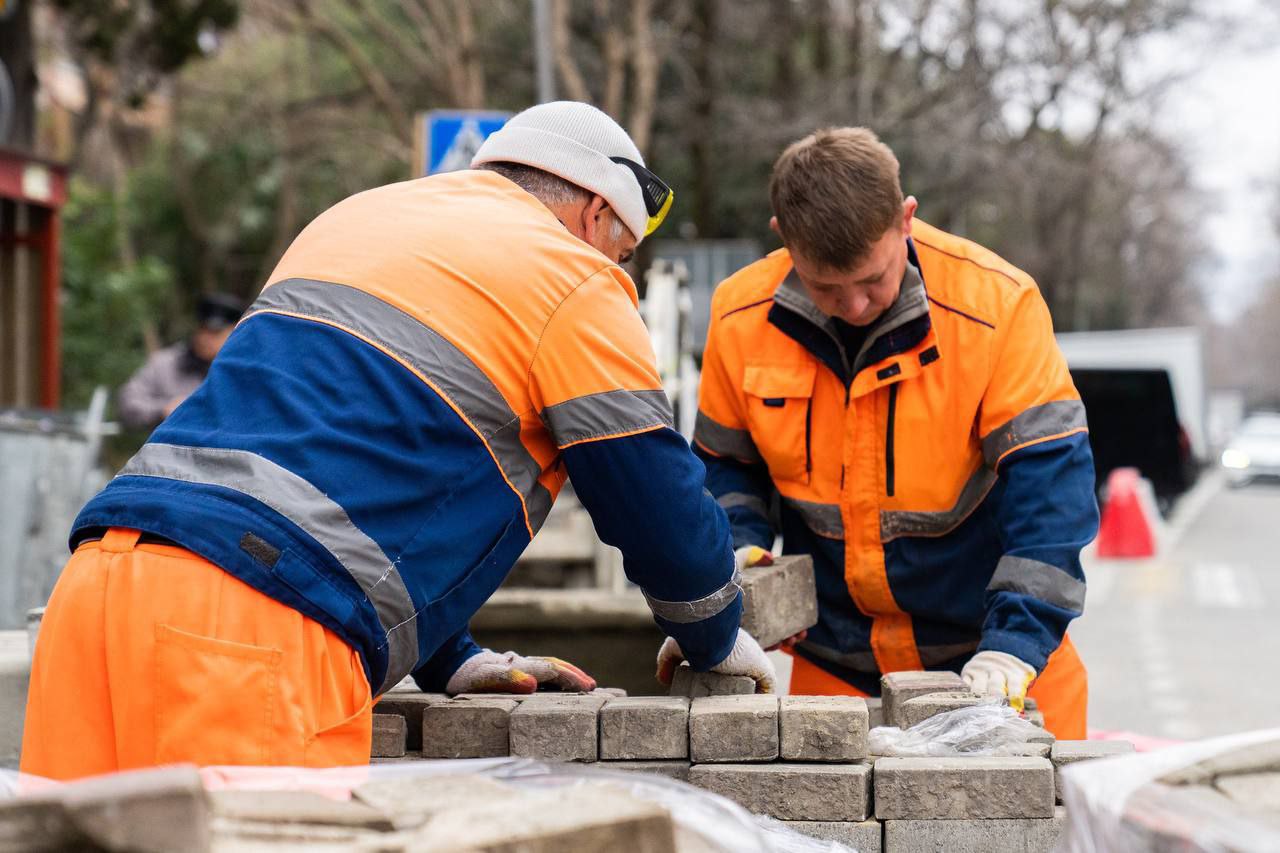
(446, 140)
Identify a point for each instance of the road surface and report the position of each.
(1187, 645)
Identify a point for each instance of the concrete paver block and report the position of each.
(1066, 752)
(1254, 758)
(686, 682)
(822, 728)
(1029, 835)
(147, 811)
(863, 836)
(645, 727)
(669, 768)
(898, 687)
(581, 819)
(986, 787)
(779, 601)
(920, 708)
(390, 731)
(828, 792)
(1042, 736)
(733, 728)
(557, 728)
(875, 712)
(409, 705)
(1252, 790)
(410, 800)
(476, 728)
(296, 807)
(1032, 750)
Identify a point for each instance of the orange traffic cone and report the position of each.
(1127, 528)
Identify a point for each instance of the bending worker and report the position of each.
(379, 439)
(900, 390)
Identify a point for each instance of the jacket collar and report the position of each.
(902, 327)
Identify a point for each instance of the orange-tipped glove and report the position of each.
(999, 674)
(508, 672)
(746, 658)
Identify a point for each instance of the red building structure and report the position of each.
(32, 192)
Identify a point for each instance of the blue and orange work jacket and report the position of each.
(388, 426)
(941, 477)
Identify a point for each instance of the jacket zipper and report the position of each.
(888, 440)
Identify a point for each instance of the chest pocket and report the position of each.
(779, 400)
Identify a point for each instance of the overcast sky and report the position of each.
(1228, 115)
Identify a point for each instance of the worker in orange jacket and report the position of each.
(378, 440)
(890, 399)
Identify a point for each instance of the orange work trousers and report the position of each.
(149, 655)
(1061, 691)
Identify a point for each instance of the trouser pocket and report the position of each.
(217, 702)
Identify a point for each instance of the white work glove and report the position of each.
(508, 672)
(751, 555)
(1001, 675)
(747, 658)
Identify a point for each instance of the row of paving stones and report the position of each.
(800, 759)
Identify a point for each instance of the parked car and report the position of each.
(1254, 453)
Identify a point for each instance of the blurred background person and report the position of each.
(169, 375)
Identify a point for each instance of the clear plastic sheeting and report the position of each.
(1172, 799)
(704, 822)
(988, 729)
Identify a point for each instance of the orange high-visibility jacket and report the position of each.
(941, 477)
(388, 426)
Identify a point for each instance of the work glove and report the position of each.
(753, 555)
(746, 658)
(508, 672)
(1001, 675)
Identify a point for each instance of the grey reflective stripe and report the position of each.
(866, 661)
(429, 353)
(1038, 580)
(724, 441)
(751, 502)
(684, 612)
(1043, 421)
(822, 519)
(895, 523)
(606, 414)
(310, 509)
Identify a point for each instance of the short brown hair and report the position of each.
(835, 193)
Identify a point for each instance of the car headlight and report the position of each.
(1232, 458)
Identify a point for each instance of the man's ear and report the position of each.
(773, 226)
(909, 206)
(592, 220)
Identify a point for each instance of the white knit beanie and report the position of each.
(574, 141)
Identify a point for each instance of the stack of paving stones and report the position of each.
(799, 759)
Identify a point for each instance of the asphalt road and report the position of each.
(1187, 645)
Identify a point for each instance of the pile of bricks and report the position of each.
(800, 759)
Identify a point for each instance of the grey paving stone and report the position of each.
(686, 682)
(828, 792)
(409, 705)
(963, 788)
(863, 836)
(557, 728)
(779, 601)
(920, 708)
(645, 727)
(733, 728)
(1032, 750)
(1065, 752)
(389, 734)
(476, 728)
(822, 728)
(898, 687)
(1252, 790)
(296, 807)
(1028, 835)
(670, 769)
(875, 712)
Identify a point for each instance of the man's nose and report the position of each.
(855, 305)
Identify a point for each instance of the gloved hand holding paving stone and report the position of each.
(746, 658)
(999, 674)
(508, 672)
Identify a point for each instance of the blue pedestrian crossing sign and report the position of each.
(448, 139)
